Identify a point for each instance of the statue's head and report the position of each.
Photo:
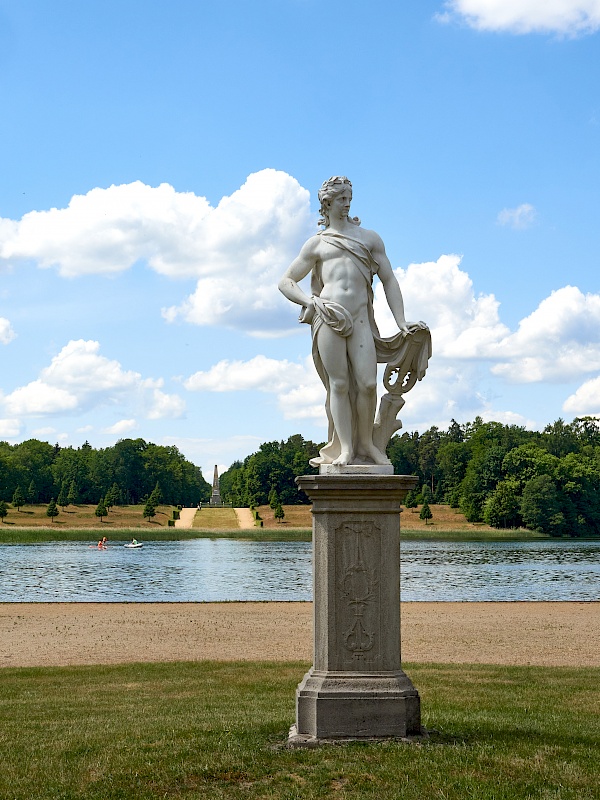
(327, 192)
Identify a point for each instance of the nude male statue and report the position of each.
(342, 260)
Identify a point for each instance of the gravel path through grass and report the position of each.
(244, 518)
(186, 518)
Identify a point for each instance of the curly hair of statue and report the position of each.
(328, 190)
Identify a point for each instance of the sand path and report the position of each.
(44, 634)
(244, 518)
(186, 518)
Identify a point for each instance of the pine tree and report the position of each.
(156, 496)
(426, 493)
(18, 500)
(149, 509)
(273, 498)
(3, 510)
(410, 501)
(52, 511)
(425, 512)
(101, 510)
(279, 512)
(73, 494)
(62, 499)
(113, 496)
(32, 492)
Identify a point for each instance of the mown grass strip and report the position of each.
(282, 534)
(215, 730)
(474, 535)
(39, 535)
(216, 519)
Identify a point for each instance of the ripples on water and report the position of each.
(541, 570)
(223, 569)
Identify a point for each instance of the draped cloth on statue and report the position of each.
(393, 350)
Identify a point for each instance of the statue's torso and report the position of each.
(343, 282)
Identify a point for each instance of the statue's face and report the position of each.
(339, 205)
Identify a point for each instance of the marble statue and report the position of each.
(342, 259)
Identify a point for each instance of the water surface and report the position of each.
(225, 569)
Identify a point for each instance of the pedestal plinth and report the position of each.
(356, 688)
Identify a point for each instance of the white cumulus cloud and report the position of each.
(121, 427)
(521, 217)
(162, 405)
(300, 393)
(586, 400)
(39, 398)
(463, 325)
(563, 17)
(237, 250)
(108, 230)
(9, 428)
(7, 334)
(558, 342)
(259, 373)
(79, 378)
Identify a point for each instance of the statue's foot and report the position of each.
(344, 458)
(376, 456)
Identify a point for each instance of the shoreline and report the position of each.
(541, 633)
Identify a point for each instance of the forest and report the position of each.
(132, 467)
(504, 475)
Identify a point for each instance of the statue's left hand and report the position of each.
(413, 327)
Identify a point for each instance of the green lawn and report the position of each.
(215, 730)
(216, 519)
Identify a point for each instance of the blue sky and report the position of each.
(160, 164)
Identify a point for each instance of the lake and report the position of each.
(224, 569)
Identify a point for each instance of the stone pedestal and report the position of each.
(356, 688)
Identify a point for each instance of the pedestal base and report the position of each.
(342, 705)
(356, 688)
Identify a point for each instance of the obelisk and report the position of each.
(215, 498)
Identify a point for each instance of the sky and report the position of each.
(159, 169)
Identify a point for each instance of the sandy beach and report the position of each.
(58, 634)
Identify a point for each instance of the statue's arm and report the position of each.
(391, 287)
(299, 269)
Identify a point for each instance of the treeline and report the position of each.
(509, 477)
(130, 470)
(268, 476)
(504, 475)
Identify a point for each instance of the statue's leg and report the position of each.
(362, 355)
(333, 353)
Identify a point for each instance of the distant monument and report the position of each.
(215, 498)
(356, 688)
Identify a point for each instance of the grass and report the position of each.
(475, 535)
(84, 516)
(215, 730)
(448, 524)
(79, 523)
(258, 534)
(216, 519)
(91, 535)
